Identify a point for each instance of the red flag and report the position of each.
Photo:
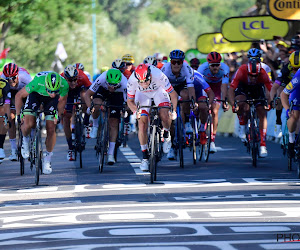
(4, 53)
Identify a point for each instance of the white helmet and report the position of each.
(70, 71)
(118, 64)
(150, 60)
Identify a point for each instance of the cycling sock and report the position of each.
(48, 155)
(278, 117)
(111, 148)
(263, 134)
(2, 139)
(70, 144)
(95, 123)
(213, 137)
(72, 126)
(26, 139)
(144, 147)
(13, 144)
(292, 137)
(146, 154)
(86, 120)
(241, 120)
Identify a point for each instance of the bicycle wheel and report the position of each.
(152, 159)
(194, 139)
(253, 142)
(103, 144)
(78, 139)
(180, 140)
(38, 157)
(206, 146)
(285, 140)
(20, 157)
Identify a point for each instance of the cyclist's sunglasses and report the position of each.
(128, 64)
(72, 79)
(214, 64)
(145, 80)
(52, 91)
(12, 78)
(179, 62)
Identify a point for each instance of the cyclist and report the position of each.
(150, 60)
(110, 85)
(50, 89)
(248, 83)
(118, 64)
(148, 83)
(81, 67)
(284, 77)
(216, 75)
(290, 94)
(17, 78)
(195, 63)
(159, 59)
(4, 109)
(78, 83)
(129, 61)
(181, 77)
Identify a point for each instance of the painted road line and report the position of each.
(260, 229)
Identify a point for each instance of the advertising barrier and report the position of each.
(284, 9)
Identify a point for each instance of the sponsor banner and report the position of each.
(194, 53)
(253, 28)
(284, 9)
(209, 42)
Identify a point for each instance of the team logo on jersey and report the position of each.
(289, 86)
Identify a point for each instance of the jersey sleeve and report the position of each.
(32, 86)
(165, 83)
(266, 79)
(225, 77)
(131, 87)
(236, 79)
(293, 83)
(199, 78)
(189, 73)
(100, 80)
(84, 80)
(64, 87)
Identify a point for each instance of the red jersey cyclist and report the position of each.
(249, 82)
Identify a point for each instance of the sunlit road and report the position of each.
(223, 204)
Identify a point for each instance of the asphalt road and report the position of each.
(225, 203)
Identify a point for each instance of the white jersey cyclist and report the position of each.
(186, 75)
(101, 82)
(158, 89)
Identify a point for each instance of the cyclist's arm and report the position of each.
(22, 93)
(225, 81)
(131, 105)
(285, 100)
(61, 105)
(274, 89)
(87, 97)
(192, 94)
(211, 96)
(231, 95)
(174, 99)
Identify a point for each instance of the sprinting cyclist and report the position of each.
(129, 65)
(216, 74)
(291, 93)
(17, 78)
(195, 63)
(50, 89)
(146, 83)
(78, 84)
(4, 109)
(110, 85)
(248, 83)
(181, 77)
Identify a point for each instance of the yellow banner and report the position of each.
(209, 42)
(254, 28)
(284, 9)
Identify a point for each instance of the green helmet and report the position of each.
(53, 81)
(113, 77)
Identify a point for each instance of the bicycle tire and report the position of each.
(194, 139)
(20, 157)
(253, 142)
(180, 141)
(290, 162)
(206, 146)
(38, 159)
(78, 139)
(152, 158)
(103, 143)
(285, 140)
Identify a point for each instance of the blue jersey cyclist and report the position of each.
(291, 94)
(216, 74)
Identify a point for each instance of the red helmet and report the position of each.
(10, 70)
(142, 72)
(79, 66)
(254, 67)
(214, 57)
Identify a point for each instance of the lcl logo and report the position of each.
(221, 41)
(255, 25)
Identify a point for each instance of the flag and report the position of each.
(61, 52)
(4, 53)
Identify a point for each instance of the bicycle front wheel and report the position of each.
(195, 138)
(38, 157)
(253, 142)
(103, 146)
(180, 140)
(152, 159)
(206, 146)
(20, 157)
(78, 141)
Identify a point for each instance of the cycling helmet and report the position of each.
(158, 56)
(214, 57)
(79, 66)
(177, 54)
(254, 53)
(195, 61)
(142, 72)
(53, 81)
(150, 60)
(113, 77)
(118, 64)
(70, 71)
(10, 70)
(254, 67)
(294, 59)
(128, 58)
(103, 69)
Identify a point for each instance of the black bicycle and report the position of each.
(122, 135)
(20, 157)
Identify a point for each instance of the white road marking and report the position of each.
(235, 214)
(126, 216)
(139, 231)
(260, 229)
(283, 246)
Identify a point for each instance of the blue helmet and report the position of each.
(177, 54)
(254, 53)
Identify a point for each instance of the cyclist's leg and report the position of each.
(185, 109)
(86, 119)
(67, 125)
(97, 99)
(242, 114)
(12, 129)
(3, 130)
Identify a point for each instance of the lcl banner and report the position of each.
(209, 42)
(254, 28)
(284, 9)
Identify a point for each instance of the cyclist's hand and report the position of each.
(19, 119)
(195, 107)
(90, 110)
(138, 114)
(268, 107)
(235, 109)
(173, 115)
(225, 106)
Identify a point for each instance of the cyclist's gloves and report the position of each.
(287, 113)
(173, 115)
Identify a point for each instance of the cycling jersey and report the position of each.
(101, 82)
(24, 79)
(4, 92)
(186, 75)
(127, 73)
(82, 79)
(284, 76)
(200, 85)
(267, 69)
(158, 80)
(293, 84)
(38, 85)
(241, 77)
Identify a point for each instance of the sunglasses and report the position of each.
(72, 79)
(179, 62)
(128, 64)
(142, 81)
(52, 91)
(214, 64)
(12, 78)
